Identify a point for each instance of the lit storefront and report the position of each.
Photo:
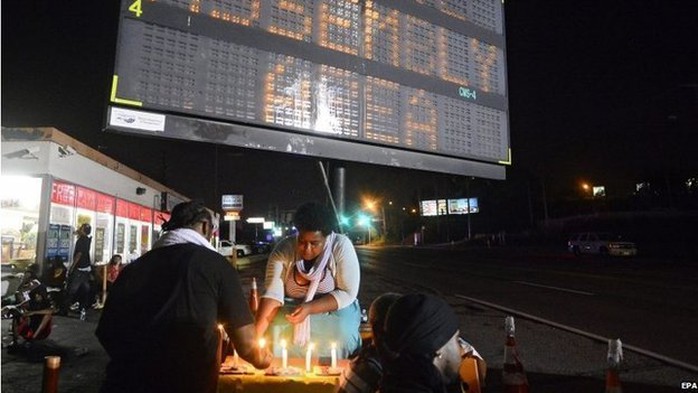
(19, 215)
(51, 184)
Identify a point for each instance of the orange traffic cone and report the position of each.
(615, 356)
(514, 377)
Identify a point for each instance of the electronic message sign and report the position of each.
(410, 83)
(442, 207)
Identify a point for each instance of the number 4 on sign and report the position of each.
(136, 8)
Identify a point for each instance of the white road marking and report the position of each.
(555, 288)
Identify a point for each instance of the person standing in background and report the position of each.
(79, 273)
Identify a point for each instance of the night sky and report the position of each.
(599, 91)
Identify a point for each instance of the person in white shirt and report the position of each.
(313, 279)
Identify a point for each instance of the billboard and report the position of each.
(231, 202)
(403, 83)
(463, 206)
(442, 207)
(433, 207)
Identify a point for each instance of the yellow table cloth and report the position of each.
(258, 382)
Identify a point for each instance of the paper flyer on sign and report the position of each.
(139, 120)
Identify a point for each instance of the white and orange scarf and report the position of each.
(301, 331)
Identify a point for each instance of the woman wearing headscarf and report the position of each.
(422, 353)
(364, 373)
(312, 280)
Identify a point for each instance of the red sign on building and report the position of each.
(121, 208)
(146, 214)
(87, 199)
(134, 211)
(105, 203)
(160, 218)
(63, 193)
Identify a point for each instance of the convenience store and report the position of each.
(51, 184)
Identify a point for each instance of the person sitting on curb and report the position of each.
(112, 271)
(422, 353)
(32, 314)
(365, 371)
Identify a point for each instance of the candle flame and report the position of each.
(262, 342)
(334, 345)
(283, 343)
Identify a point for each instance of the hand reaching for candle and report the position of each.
(299, 314)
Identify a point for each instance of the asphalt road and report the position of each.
(556, 360)
(648, 303)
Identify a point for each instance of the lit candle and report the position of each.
(333, 353)
(262, 343)
(284, 355)
(308, 356)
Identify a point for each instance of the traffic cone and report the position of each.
(614, 358)
(514, 377)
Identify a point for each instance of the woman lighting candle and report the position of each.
(312, 281)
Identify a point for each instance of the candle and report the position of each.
(308, 356)
(220, 349)
(333, 353)
(236, 359)
(284, 355)
(262, 343)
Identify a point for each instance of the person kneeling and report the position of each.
(422, 351)
(32, 314)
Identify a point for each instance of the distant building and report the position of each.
(52, 183)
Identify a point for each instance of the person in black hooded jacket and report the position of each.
(421, 350)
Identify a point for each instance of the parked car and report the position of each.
(226, 247)
(602, 243)
(261, 247)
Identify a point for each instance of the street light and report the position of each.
(372, 205)
(366, 221)
(588, 189)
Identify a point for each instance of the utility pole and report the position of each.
(467, 198)
(385, 227)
